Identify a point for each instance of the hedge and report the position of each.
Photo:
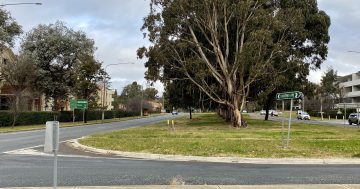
(35, 118)
(333, 113)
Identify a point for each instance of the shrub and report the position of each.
(34, 118)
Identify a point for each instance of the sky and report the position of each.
(115, 27)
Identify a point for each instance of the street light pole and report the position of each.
(104, 88)
(7, 4)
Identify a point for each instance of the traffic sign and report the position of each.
(78, 104)
(289, 95)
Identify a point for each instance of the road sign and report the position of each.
(78, 104)
(289, 95)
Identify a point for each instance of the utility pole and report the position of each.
(104, 88)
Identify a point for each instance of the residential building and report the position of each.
(351, 87)
(30, 102)
(106, 98)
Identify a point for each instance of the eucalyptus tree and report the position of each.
(233, 44)
(55, 50)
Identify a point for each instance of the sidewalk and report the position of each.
(312, 186)
(285, 161)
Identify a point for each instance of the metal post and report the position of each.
(55, 169)
(282, 125)
(344, 114)
(321, 109)
(289, 128)
(303, 101)
(84, 115)
(103, 108)
(142, 96)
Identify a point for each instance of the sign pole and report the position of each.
(282, 125)
(55, 169)
(73, 115)
(289, 128)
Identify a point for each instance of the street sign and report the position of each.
(289, 95)
(78, 104)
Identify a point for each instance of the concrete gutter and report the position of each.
(147, 156)
(312, 186)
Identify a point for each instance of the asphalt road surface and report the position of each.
(31, 170)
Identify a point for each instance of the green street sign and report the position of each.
(289, 95)
(78, 104)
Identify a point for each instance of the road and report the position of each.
(74, 170)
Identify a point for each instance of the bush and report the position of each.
(36, 118)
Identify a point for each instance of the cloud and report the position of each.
(113, 24)
(115, 27)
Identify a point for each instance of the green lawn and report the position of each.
(208, 135)
(9, 129)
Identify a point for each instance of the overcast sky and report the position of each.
(115, 27)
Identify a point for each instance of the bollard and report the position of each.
(329, 117)
(168, 122)
(336, 117)
(173, 124)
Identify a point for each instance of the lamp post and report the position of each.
(7, 4)
(104, 88)
(142, 98)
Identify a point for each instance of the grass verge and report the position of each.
(208, 135)
(9, 129)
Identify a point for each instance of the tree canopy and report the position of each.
(55, 50)
(225, 47)
(10, 29)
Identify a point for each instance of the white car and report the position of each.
(303, 116)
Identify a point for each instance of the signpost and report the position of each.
(288, 96)
(52, 144)
(79, 104)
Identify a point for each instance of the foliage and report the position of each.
(19, 75)
(150, 93)
(227, 47)
(27, 118)
(88, 74)
(55, 50)
(9, 29)
(330, 85)
(135, 104)
(131, 90)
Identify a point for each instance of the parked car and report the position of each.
(271, 112)
(303, 116)
(174, 112)
(353, 118)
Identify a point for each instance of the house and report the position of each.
(106, 97)
(30, 103)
